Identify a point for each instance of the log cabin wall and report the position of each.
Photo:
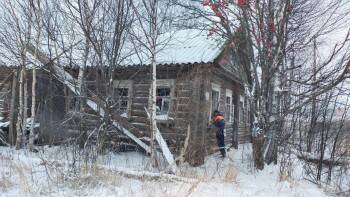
(190, 103)
(50, 107)
(6, 75)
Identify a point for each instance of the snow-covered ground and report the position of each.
(53, 171)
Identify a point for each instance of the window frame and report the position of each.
(217, 88)
(166, 83)
(128, 84)
(164, 99)
(229, 94)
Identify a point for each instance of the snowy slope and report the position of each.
(51, 173)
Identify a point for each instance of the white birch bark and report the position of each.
(20, 112)
(25, 105)
(153, 107)
(31, 134)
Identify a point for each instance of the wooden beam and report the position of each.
(164, 147)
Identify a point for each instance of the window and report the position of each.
(241, 111)
(215, 99)
(229, 106)
(121, 97)
(164, 93)
(163, 100)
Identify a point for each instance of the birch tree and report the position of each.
(147, 20)
(16, 34)
(37, 9)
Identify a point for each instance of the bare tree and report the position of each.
(18, 16)
(267, 34)
(148, 24)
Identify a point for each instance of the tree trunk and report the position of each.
(25, 108)
(20, 111)
(31, 133)
(13, 106)
(153, 107)
(153, 99)
(311, 132)
(258, 151)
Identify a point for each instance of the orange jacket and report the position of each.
(218, 118)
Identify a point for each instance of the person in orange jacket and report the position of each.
(219, 122)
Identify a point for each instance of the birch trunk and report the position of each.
(20, 111)
(31, 134)
(25, 106)
(153, 107)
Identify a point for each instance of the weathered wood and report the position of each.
(69, 81)
(5, 81)
(164, 147)
(198, 117)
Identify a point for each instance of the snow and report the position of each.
(4, 124)
(52, 172)
(28, 125)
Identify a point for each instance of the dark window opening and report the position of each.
(229, 108)
(163, 100)
(121, 97)
(214, 100)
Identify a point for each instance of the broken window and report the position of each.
(121, 97)
(122, 94)
(163, 100)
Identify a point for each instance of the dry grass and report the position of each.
(5, 184)
(231, 174)
(49, 175)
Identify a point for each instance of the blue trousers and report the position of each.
(221, 141)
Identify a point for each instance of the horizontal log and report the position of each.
(183, 100)
(327, 162)
(135, 112)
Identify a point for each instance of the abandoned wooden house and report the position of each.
(196, 74)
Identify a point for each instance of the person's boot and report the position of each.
(223, 152)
